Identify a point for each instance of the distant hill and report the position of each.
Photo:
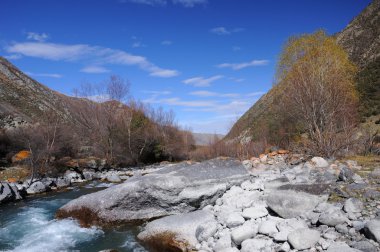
(361, 40)
(203, 139)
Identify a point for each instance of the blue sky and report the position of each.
(207, 60)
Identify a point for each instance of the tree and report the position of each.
(319, 91)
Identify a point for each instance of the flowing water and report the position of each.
(29, 225)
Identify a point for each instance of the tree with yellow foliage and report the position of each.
(319, 92)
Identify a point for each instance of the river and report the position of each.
(30, 226)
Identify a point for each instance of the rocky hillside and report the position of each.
(23, 99)
(361, 39)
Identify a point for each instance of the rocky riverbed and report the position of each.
(278, 202)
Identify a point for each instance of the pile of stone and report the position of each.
(282, 207)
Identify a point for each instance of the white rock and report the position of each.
(319, 162)
(255, 212)
(341, 247)
(223, 243)
(285, 247)
(246, 231)
(256, 244)
(353, 205)
(303, 238)
(268, 227)
(234, 219)
(206, 230)
(113, 178)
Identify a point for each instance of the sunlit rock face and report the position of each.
(174, 189)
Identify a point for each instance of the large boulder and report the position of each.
(372, 230)
(173, 189)
(291, 204)
(8, 192)
(37, 187)
(176, 232)
(303, 238)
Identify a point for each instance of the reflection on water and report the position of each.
(30, 226)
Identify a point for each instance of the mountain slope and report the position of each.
(24, 99)
(361, 40)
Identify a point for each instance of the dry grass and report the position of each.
(166, 242)
(368, 163)
(14, 174)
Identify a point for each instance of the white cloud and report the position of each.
(189, 3)
(94, 54)
(166, 42)
(201, 81)
(237, 79)
(236, 48)
(13, 56)
(148, 2)
(205, 93)
(94, 69)
(224, 31)
(238, 66)
(184, 3)
(255, 94)
(44, 75)
(40, 37)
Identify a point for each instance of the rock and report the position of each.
(256, 244)
(62, 182)
(353, 205)
(174, 189)
(234, 219)
(255, 212)
(341, 247)
(88, 174)
(375, 173)
(8, 192)
(372, 230)
(73, 176)
(365, 246)
(249, 186)
(175, 232)
(290, 204)
(37, 187)
(342, 228)
(113, 178)
(286, 226)
(319, 162)
(285, 247)
(303, 238)
(333, 217)
(246, 231)
(346, 174)
(268, 227)
(223, 243)
(206, 230)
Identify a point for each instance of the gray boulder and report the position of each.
(62, 182)
(206, 230)
(290, 203)
(173, 189)
(319, 162)
(8, 192)
(37, 187)
(333, 217)
(303, 238)
(346, 174)
(256, 244)
(372, 230)
(365, 246)
(353, 205)
(113, 178)
(341, 247)
(178, 231)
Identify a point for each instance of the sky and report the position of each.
(208, 61)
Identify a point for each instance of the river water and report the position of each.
(29, 225)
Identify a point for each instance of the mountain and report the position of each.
(23, 99)
(361, 40)
(204, 139)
